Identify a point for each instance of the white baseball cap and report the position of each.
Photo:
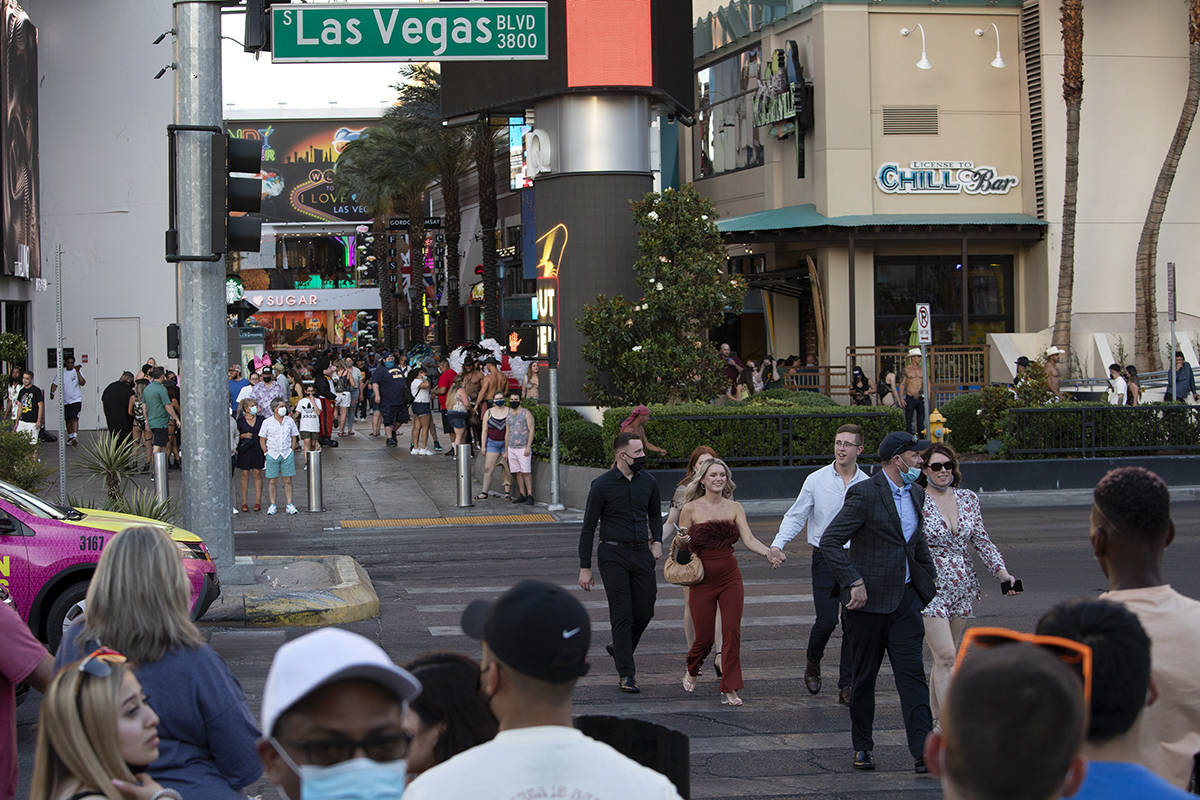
(322, 657)
(1053, 350)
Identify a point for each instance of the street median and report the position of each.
(298, 591)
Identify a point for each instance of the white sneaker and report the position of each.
(291, 509)
(425, 452)
(271, 510)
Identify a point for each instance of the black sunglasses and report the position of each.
(384, 747)
(943, 465)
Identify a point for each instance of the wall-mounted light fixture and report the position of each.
(998, 61)
(924, 62)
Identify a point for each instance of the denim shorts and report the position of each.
(458, 419)
(495, 446)
(420, 409)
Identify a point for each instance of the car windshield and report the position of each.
(32, 504)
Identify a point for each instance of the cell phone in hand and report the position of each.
(1007, 586)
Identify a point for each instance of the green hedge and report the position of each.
(1116, 431)
(579, 442)
(962, 413)
(756, 440)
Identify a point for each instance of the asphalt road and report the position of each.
(783, 743)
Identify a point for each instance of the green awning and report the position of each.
(806, 216)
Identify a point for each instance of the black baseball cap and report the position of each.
(898, 442)
(537, 628)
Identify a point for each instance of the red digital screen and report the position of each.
(609, 43)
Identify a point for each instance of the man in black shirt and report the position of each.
(625, 503)
(32, 404)
(115, 401)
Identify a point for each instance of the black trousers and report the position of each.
(914, 413)
(828, 607)
(901, 634)
(630, 582)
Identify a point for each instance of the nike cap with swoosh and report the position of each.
(537, 628)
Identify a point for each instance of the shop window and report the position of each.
(903, 281)
(725, 137)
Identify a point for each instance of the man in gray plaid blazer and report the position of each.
(886, 578)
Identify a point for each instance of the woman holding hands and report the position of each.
(710, 523)
(952, 522)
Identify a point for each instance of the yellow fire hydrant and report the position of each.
(937, 427)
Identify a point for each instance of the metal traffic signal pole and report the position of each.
(207, 490)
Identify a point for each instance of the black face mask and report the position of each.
(638, 464)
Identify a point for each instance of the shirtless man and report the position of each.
(913, 398)
(472, 383)
(1053, 374)
(494, 383)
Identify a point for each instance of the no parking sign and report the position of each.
(924, 324)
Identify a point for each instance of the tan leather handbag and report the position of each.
(688, 573)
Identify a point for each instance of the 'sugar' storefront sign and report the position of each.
(942, 177)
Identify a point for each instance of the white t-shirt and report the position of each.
(278, 435)
(309, 409)
(544, 761)
(419, 395)
(71, 391)
(1120, 391)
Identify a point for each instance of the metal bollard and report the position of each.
(161, 490)
(312, 460)
(462, 458)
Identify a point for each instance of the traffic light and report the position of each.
(258, 25)
(233, 155)
(173, 340)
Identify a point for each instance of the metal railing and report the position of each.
(953, 368)
(1091, 431)
(782, 440)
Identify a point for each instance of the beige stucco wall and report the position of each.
(1135, 76)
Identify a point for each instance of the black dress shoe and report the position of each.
(919, 766)
(844, 696)
(629, 685)
(863, 760)
(812, 677)
(608, 648)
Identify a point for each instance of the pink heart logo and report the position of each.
(257, 299)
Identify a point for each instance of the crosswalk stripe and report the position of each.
(573, 587)
(674, 624)
(662, 602)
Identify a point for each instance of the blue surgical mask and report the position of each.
(356, 779)
(389, 363)
(910, 475)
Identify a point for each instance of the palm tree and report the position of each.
(1072, 34)
(1145, 325)
(420, 103)
(391, 165)
(363, 173)
(484, 138)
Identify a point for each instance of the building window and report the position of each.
(725, 137)
(903, 281)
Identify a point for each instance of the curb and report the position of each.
(351, 599)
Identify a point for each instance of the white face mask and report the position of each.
(279, 412)
(253, 409)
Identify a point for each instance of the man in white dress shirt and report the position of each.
(819, 502)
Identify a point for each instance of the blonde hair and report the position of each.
(77, 735)
(246, 403)
(696, 487)
(138, 601)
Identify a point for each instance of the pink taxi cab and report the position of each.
(48, 554)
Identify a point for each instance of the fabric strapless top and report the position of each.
(713, 535)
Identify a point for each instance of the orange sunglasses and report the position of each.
(99, 663)
(1074, 654)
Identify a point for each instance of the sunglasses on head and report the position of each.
(99, 663)
(1074, 654)
(942, 465)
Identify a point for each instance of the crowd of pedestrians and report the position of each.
(1103, 701)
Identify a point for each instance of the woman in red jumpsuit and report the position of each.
(709, 523)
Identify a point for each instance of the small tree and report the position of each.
(657, 350)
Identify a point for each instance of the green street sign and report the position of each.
(409, 32)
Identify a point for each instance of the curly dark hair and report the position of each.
(1136, 501)
(450, 694)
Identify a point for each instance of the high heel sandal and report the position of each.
(731, 701)
(689, 682)
(716, 664)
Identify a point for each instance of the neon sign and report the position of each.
(553, 244)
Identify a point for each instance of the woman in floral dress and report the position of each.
(952, 522)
